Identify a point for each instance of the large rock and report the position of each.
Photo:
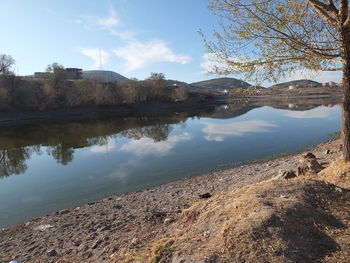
(285, 174)
(309, 164)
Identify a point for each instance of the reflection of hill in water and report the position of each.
(240, 107)
(18, 143)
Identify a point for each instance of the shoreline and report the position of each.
(193, 105)
(96, 231)
(95, 112)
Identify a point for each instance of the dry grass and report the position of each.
(337, 173)
(298, 220)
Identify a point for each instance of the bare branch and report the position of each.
(324, 11)
(343, 11)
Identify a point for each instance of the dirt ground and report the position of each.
(119, 228)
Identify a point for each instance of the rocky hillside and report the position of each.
(105, 75)
(303, 83)
(218, 85)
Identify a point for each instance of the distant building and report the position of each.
(74, 73)
(329, 84)
(291, 87)
(39, 74)
(104, 75)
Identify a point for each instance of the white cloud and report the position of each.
(109, 21)
(146, 146)
(218, 132)
(319, 76)
(99, 56)
(138, 54)
(319, 112)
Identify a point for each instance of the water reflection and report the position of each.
(13, 161)
(218, 131)
(148, 135)
(18, 143)
(319, 112)
(147, 146)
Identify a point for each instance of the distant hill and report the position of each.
(105, 75)
(221, 83)
(303, 83)
(172, 82)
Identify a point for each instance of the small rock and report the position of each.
(15, 261)
(206, 234)
(327, 151)
(168, 221)
(52, 253)
(117, 207)
(337, 189)
(284, 196)
(134, 241)
(205, 196)
(285, 174)
(104, 228)
(65, 211)
(308, 155)
(96, 244)
(67, 225)
(43, 227)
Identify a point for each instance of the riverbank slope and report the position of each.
(148, 225)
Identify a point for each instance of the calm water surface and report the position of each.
(52, 166)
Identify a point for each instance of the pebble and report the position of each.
(168, 221)
(65, 211)
(43, 227)
(96, 244)
(337, 189)
(134, 241)
(52, 253)
(205, 196)
(206, 234)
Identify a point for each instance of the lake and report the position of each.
(45, 167)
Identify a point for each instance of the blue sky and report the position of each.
(134, 37)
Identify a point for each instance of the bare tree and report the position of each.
(6, 63)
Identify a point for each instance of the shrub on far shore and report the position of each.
(54, 91)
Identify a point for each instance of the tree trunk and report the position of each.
(345, 50)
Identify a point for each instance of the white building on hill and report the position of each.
(104, 75)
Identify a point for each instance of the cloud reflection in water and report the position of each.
(218, 131)
(147, 146)
(319, 112)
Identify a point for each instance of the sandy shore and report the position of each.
(97, 231)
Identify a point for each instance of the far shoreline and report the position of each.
(151, 108)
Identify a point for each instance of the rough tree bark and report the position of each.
(346, 102)
(344, 36)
